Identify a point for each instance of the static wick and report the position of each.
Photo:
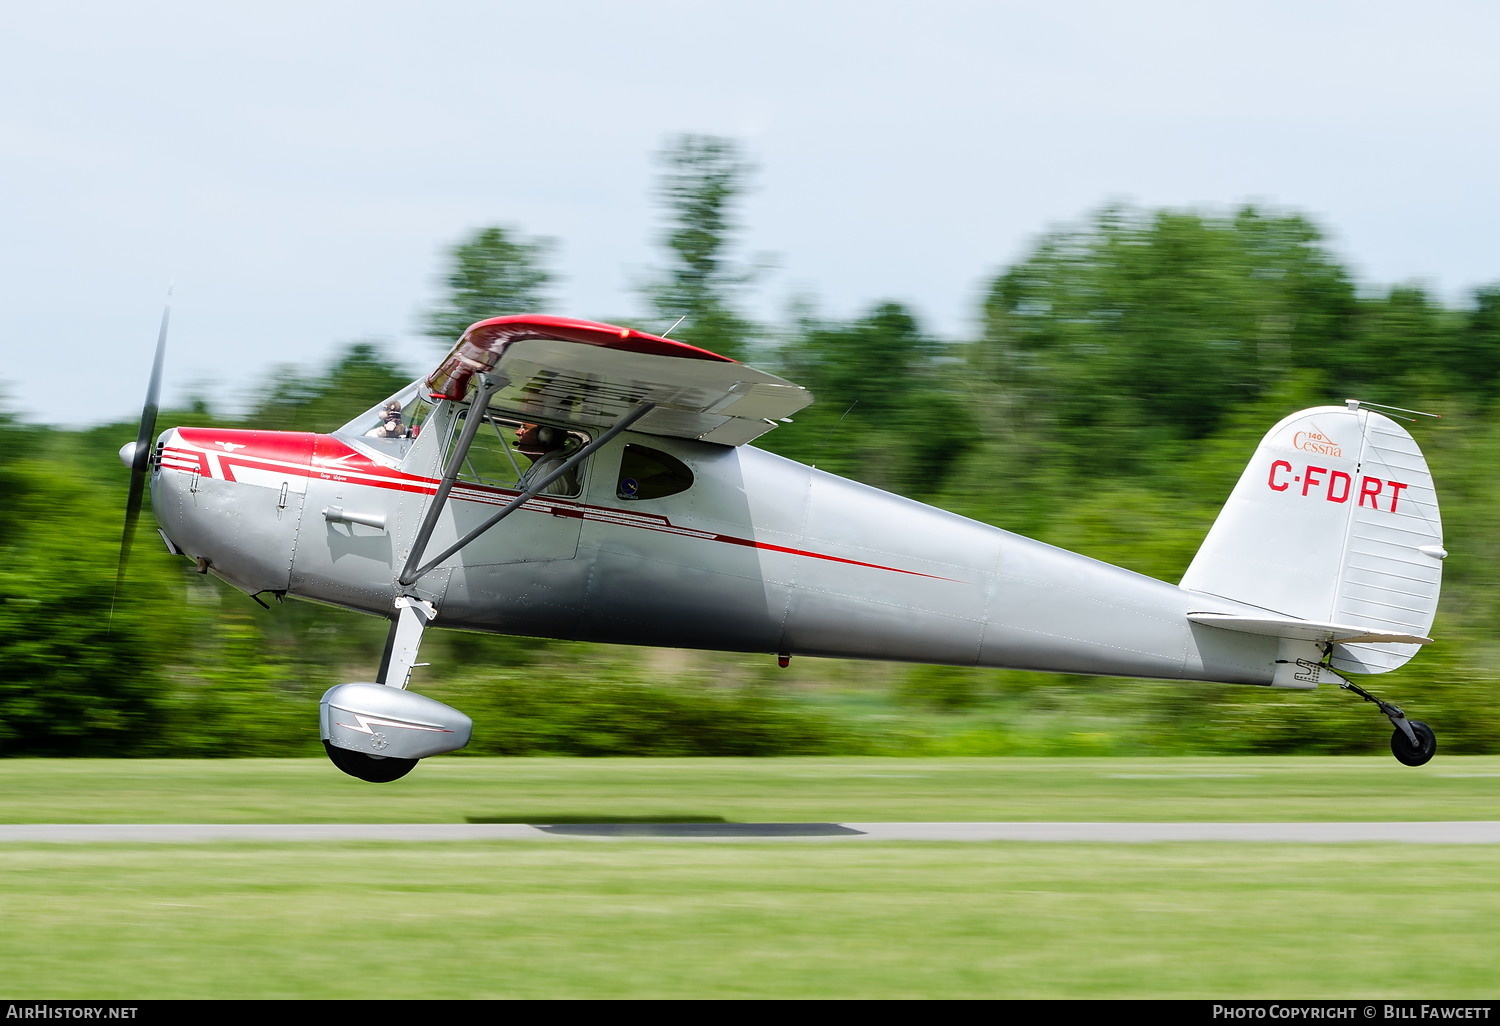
(1355, 404)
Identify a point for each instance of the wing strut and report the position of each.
(480, 402)
(532, 489)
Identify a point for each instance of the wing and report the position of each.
(580, 372)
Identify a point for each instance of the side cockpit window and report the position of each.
(511, 453)
(651, 474)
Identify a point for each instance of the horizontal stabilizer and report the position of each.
(1304, 630)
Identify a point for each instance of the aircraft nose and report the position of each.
(127, 453)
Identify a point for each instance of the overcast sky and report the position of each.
(298, 169)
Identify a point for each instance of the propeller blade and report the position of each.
(138, 454)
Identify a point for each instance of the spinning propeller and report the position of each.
(137, 454)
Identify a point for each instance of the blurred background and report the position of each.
(1055, 269)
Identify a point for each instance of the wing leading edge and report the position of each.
(582, 372)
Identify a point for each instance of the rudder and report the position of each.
(1334, 520)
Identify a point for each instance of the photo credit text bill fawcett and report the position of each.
(1318, 1010)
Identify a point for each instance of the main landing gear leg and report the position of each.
(401, 644)
(1413, 742)
(378, 731)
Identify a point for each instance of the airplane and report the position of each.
(568, 479)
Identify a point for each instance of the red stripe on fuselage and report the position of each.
(297, 453)
(731, 540)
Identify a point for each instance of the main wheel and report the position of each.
(1402, 749)
(374, 768)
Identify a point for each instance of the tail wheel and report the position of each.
(1405, 753)
(373, 768)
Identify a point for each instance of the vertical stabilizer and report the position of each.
(1334, 520)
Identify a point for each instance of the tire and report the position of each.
(1403, 751)
(374, 768)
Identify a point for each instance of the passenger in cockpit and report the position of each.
(390, 425)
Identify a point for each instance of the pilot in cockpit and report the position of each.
(390, 425)
(548, 448)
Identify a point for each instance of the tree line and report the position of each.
(1120, 376)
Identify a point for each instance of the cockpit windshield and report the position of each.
(390, 426)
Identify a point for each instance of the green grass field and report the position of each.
(458, 790)
(679, 919)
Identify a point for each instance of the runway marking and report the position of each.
(1455, 832)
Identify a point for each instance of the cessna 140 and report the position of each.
(566, 479)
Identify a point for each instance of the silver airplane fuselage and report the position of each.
(758, 554)
(574, 480)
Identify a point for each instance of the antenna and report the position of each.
(1355, 404)
(668, 332)
(824, 444)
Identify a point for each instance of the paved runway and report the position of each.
(1114, 833)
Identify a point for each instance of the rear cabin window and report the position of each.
(651, 474)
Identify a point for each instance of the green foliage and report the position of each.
(595, 710)
(944, 688)
(494, 272)
(702, 177)
(297, 399)
(240, 693)
(1476, 346)
(79, 677)
(1404, 340)
(1140, 329)
(885, 413)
